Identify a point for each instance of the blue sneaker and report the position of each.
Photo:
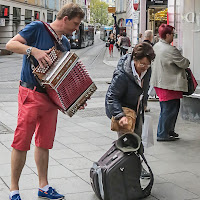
(15, 197)
(50, 194)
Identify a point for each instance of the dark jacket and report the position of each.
(124, 91)
(125, 42)
(147, 41)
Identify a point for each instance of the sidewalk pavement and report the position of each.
(82, 139)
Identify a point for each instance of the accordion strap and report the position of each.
(53, 35)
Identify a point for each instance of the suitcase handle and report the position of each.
(111, 150)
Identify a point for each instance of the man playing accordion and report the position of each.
(36, 112)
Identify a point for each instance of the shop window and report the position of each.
(49, 17)
(156, 17)
(16, 14)
(28, 16)
(4, 11)
(36, 15)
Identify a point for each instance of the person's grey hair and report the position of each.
(148, 33)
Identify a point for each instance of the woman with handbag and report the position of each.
(169, 80)
(126, 88)
(124, 44)
(124, 96)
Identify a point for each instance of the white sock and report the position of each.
(14, 193)
(45, 188)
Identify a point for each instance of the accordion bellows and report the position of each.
(67, 82)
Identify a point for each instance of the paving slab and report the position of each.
(71, 185)
(170, 191)
(186, 180)
(58, 172)
(84, 147)
(82, 196)
(5, 170)
(76, 163)
(86, 135)
(26, 182)
(63, 153)
(30, 162)
(84, 174)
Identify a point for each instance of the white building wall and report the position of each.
(132, 32)
(117, 5)
(143, 16)
(109, 2)
(120, 12)
(185, 17)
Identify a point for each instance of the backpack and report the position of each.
(125, 42)
(116, 176)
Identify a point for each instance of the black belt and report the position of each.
(30, 86)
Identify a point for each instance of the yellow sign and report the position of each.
(111, 9)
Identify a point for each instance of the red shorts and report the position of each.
(36, 114)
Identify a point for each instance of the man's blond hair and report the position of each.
(70, 10)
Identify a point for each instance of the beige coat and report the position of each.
(168, 68)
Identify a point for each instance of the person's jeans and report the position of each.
(168, 116)
(123, 51)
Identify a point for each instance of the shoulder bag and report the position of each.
(192, 83)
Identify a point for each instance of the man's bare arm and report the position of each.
(18, 45)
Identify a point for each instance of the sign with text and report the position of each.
(2, 22)
(111, 9)
(136, 17)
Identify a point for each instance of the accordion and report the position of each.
(67, 82)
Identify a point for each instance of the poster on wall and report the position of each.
(2, 22)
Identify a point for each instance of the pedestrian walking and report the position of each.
(119, 36)
(169, 79)
(148, 37)
(140, 38)
(36, 113)
(117, 39)
(124, 44)
(126, 88)
(111, 41)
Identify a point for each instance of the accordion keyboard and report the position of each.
(53, 55)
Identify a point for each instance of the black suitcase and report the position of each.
(116, 176)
